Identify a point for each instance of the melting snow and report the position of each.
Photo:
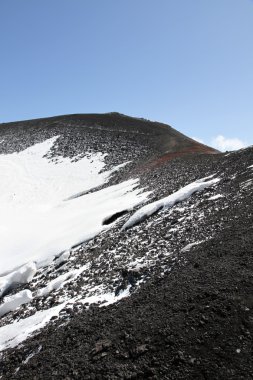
(13, 302)
(62, 258)
(214, 197)
(247, 183)
(22, 275)
(46, 210)
(60, 281)
(106, 298)
(170, 201)
(29, 357)
(189, 246)
(13, 334)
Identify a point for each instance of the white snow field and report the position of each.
(44, 212)
(37, 222)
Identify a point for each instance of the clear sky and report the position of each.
(188, 63)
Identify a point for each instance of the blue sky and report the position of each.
(188, 63)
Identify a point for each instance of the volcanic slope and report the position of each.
(162, 289)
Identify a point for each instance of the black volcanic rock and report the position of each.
(113, 128)
(190, 312)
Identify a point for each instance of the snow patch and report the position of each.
(29, 357)
(189, 246)
(29, 178)
(13, 334)
(169, 201)
(22, 275)
(247, 183)
(214, 197)
(13, 302)
(60, 281)
(62, 258)
(106, 298)
(37, 222)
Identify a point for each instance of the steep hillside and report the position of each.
(136, 258)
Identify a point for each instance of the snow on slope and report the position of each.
(60, 281)
(214, 197)
(167, 202)
(22, 275)
(37, 222)
(13, 334)
(39, 236)
(45, 212)
(17, 332)
(28, 178)
(13, 302)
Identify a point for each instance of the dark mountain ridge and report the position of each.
(165, 138)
